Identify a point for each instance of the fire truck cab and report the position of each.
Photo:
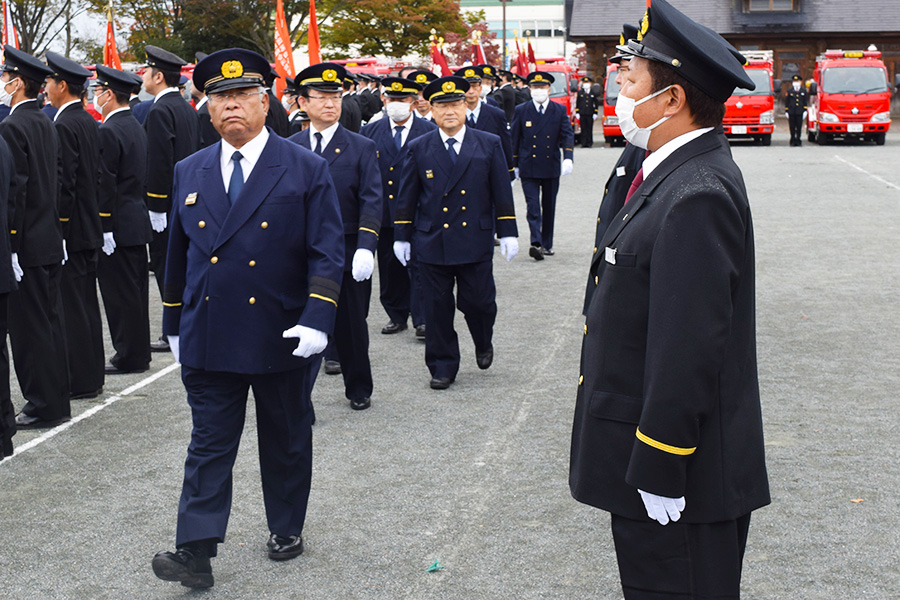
(611, 131)
(751, 113)
(369, 66)
(565, 83)
(849, 97)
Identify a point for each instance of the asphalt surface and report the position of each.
(476, 477)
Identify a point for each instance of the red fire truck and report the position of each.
(369, 66)
(611, 131)
(565, 83)
(752, 113)
(849, 97)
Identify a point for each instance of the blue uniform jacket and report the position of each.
(237, 277)
(447, 209)
(390, 159)
(537, 140)
(493, 120)
(354, 170)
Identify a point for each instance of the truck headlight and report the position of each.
(612, 120)
(828, 118)
(881, 117)
(767, 118)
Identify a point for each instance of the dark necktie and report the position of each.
(318, 143)
(472, 120)
(398, 136)
(451, 150)
(638, 180)
(236, 184)
(541, 109)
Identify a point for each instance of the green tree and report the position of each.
(39, 22)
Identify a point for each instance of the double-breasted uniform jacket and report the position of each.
(79, 163)
(614, 193)
(796, 101)
(390, 160)
(587, 104)
(122, 180)
(173, 133)
(238, 276)
(537, 140)
(353, 166)
(35, 232)
(449, 210)
(492, 120)
(668, 397)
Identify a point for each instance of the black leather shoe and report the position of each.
(420, 331)
(484, 359)
(24, 421)
(535, 253)
(332, 367)
(440, 383)
(160, 345)
(547, 252)
(361, 403)
(284, 548)
(392, 327)
(188, 565)
(86, 395)
(111, 369)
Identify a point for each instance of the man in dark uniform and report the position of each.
(369, 101)
(482, 116)
(351, 114)
(391, 135)
(668, 429)
(7, 285)
(506, 95)
(289, 101)
(173, 133)
(796, 101)
(587, 106)
(79, 163)
(36, 331)
(255, 258)
(277, 119)
(522, 93)
(540, 129)
(208, 133)
(123, 271)
(423, 78)
(454, 192)
(353, 166)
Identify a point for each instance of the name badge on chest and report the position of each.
(620, 171)
(610, 255)
(190, 199)
(429, 174)
(527, 123)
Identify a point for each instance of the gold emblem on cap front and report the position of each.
(448, 87)
(421, 78)
(329, 75)
(538, 78)
(232, 69)
(487, 70)
(645, 26)
(621, 39)
(470, 72)
(396, 87)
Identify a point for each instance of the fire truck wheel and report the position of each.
(810, 136)
(879, 139)
(766, 140)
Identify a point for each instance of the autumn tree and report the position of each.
(458, 48)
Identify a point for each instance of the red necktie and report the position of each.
(638, 180)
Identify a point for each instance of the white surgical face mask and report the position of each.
(97, 106)
(586, 87)
(287, 103)
(540, 95)
(6, 97)
(796, 86)
(485, 90)
(398, 111)
(637, 136)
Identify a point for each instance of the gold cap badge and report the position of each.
(538, 78)
(487, 70)
(421, 78)
(232, 69)
(645, 26)
(621, 39)
(329, 75)
(396, 87)
(448, 87)
(470, 72)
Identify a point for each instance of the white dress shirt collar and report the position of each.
(458, 137)
(538, 105)
(164, 92)
(327, 134)
(250, 153)
(666, 150)
(476, 112)
(407, 127)
(64, 107)
(203, 101)
(117, 111)
(12, 109)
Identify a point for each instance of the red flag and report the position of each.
(9, 30)
(110, 52)
(521, 61)
(284, 54)
(439, 60)
(312, 36)
(478, 57)
(531, 54)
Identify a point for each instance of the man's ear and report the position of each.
(676, 101)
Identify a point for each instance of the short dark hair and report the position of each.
(171, 78)
(32, 88)
(706, 111)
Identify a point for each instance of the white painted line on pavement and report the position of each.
(872, 175)
(90, 412)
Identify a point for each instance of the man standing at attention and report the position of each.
(668, 428)
(255, 257)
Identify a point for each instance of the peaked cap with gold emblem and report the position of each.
(400, 87)
(446, 89)
(230, 69)
(325, 77)
(539, 77)
(421, 77)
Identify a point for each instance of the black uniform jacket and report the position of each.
(492, 120)
(795, 102)
(354, 170)
(668, 397)
(123, 179)
(173, 133)
(277, 118)
(7, 279)
(537, 140)
(34, 229)
(506, 98)
(351, 115)
(208, 134)
(79, 163)
(587, 104)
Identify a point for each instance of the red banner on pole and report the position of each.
(9, 30)
(312, 36)
(110, 52)
(284, 54)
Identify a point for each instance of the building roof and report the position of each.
(604, 18)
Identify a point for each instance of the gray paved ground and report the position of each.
(476, 477)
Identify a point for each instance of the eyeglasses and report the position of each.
(221, 97)
(325, 99)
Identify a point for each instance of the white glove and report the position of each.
(804, 115)
(509, 247)
(402, 252)
(577, 117)
(312, 341)
(363, 264)
(661, 508)
(516, 171)
(157, 221)
(17, 270)
(173, 346)
(109, 243)
(566, 167)
(65, 254)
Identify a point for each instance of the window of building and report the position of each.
(754, 6)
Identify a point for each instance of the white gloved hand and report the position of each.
(509, 247)
(363, 264)
(578, 117)
(17, 270)
(312, 341)
(109, 243)
(661, 508)
(402, 252)
(173, 346)
(516, 170)
(157, 221)
(65, 254)
(804, 115)
(567, 166)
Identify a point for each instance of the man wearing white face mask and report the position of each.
(667, 435)
(795, 102)
(587, 105)
(540, 129)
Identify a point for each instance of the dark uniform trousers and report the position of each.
(218, 400)
(123, 278)
(82, 322)
(394, 281)
(7, 410)
(540, 202)
(350, 327)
